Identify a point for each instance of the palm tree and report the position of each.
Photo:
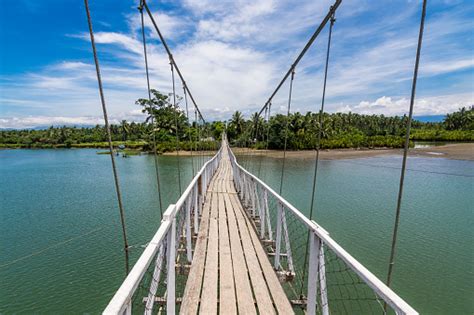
(125, 129)
(238, 122)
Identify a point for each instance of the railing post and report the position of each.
(289, 255)
(314, 248)
(322, 282)
(278, 237)
(128, 309)
(249, 197)
(261, 206)
(189, 248)
(253, 196)
(267, 214)
(196, 209)
(244, 190)
(171, 253)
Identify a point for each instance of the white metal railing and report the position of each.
(255, 195)
(278, 224)
(178, 224)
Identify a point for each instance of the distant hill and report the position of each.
(44, 127)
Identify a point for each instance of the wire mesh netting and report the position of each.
(153, 286)
(340, 288)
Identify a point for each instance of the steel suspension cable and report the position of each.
(152, 116)
(170, 56)
(406, 148)
(109, 137)
(286, 130)
(332, 10)
(176, 122)
(318, 145)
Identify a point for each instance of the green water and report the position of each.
(66, 198)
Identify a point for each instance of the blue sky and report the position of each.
(232, 54)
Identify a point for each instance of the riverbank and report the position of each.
(455, 151)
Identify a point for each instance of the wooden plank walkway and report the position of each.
(230, 272)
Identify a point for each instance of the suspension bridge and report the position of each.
(233, 245)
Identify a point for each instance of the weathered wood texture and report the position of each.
(230, 271)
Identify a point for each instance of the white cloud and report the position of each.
(423, 106)
(44, 121)
(233, 53)
(441, 67)
(171, 25)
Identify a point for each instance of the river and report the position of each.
(61, 242)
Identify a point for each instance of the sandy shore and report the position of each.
(457, 151)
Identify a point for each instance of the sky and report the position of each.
(232, 55)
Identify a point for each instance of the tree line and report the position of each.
(171, 127)
(345, 130)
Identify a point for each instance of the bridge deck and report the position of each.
(230, 272)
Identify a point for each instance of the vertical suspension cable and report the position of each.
(195, 144)
(321, 112)
(255, 141)
(263, 138)
(406, 147)
(200, 143)
(286, 129)
(189, 135)
(140, 8)
(318, 146)
(268, 127)
(176, 122)
(109, 137)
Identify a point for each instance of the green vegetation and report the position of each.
(135, 136)
(346, 130)
(339, 131)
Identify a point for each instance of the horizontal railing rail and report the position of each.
(180, 221)
(256, 194)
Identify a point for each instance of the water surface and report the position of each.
(58, 214)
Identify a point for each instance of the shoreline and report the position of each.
(456, 151)
(453, 151)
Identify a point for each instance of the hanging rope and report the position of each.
(109, 137)
(406, 148)
(318, 144)
(176, 123)
(140, 8)
(286, 129)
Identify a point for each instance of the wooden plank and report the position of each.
(226, 274)
(280, 299)
(243, 289)
(192, 291)
(229, 262)
(260, 289)
(210, 283)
